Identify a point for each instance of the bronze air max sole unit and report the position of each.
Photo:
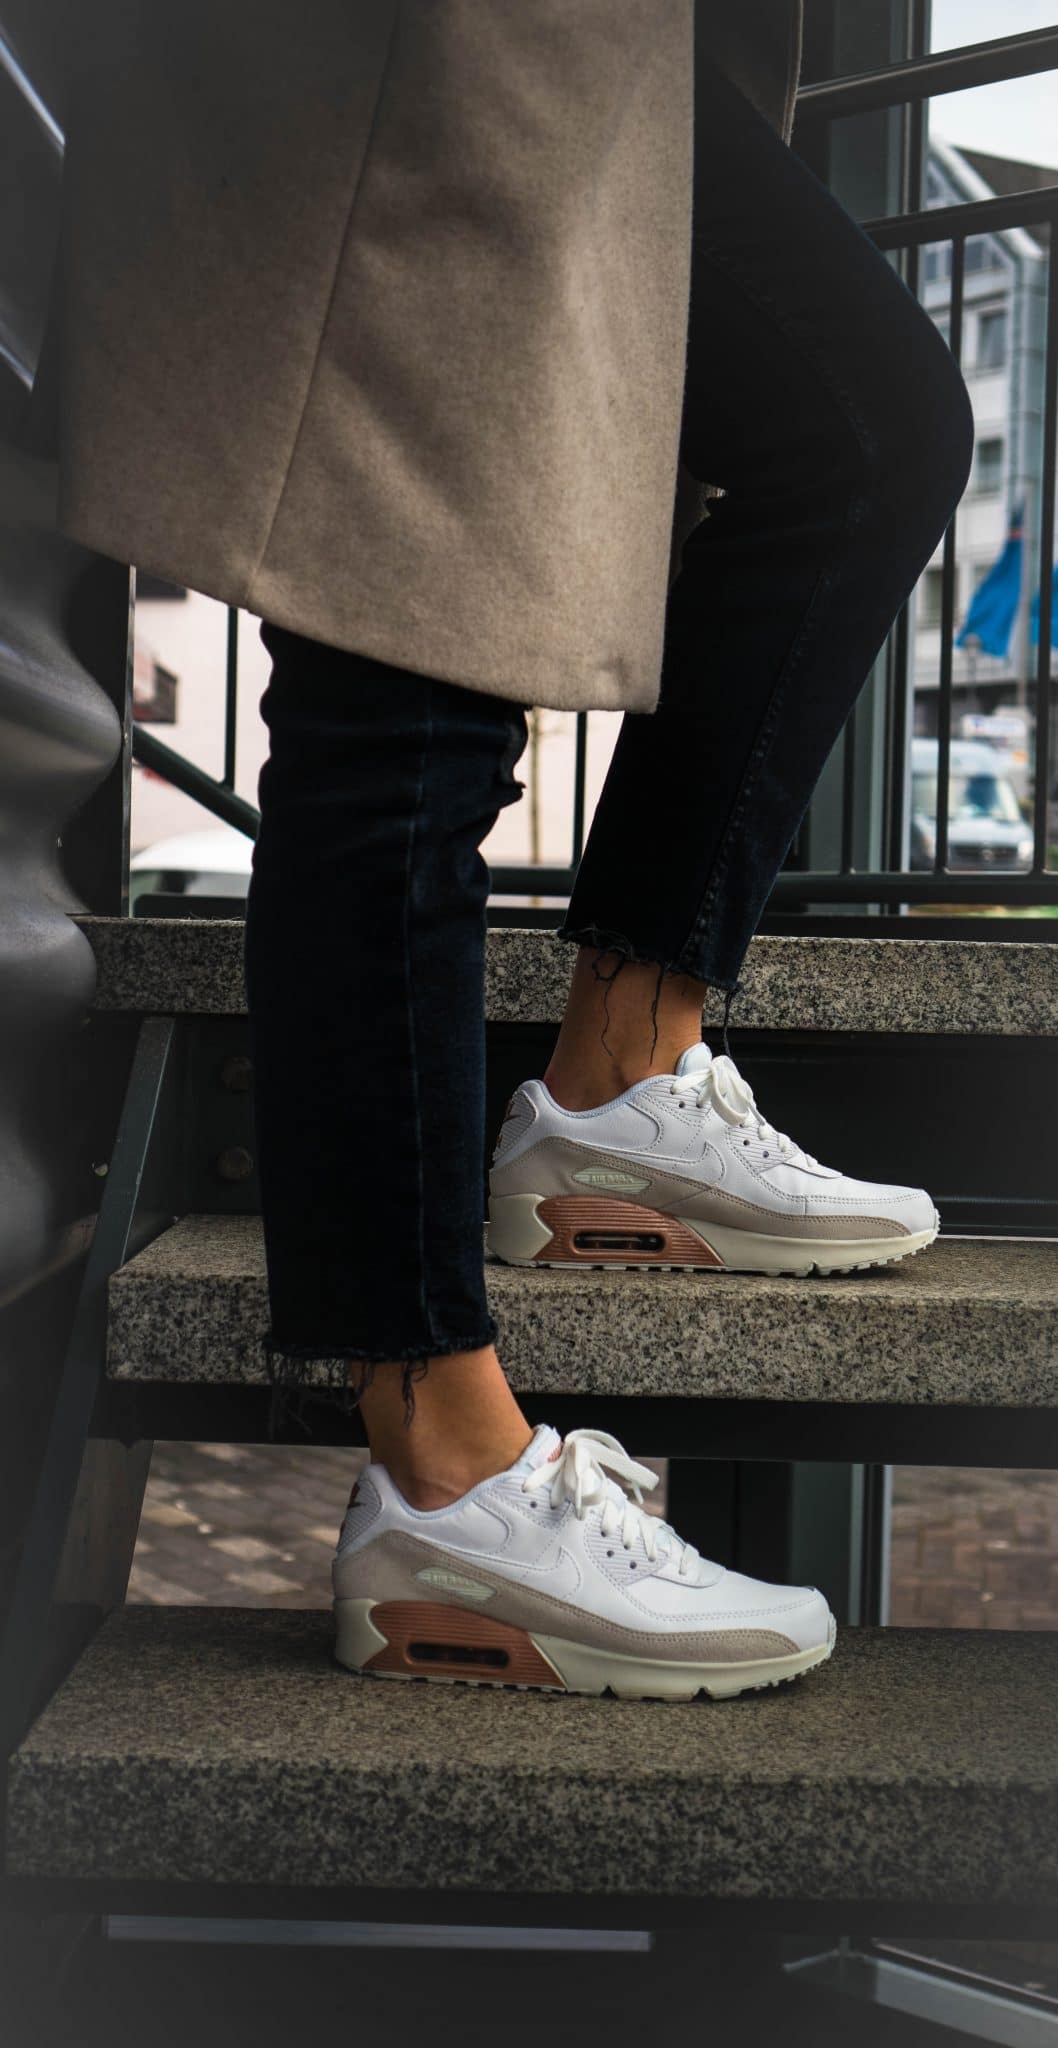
(596, 1230)
(432, 1640)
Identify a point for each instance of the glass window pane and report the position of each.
(932, 593)
(991, 339)
(988, 465)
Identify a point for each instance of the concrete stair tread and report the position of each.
(194, 966)
(969, 1321)
(204, 1745)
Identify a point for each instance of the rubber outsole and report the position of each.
(517, 1235)
(766, 1273)
(362, 1648)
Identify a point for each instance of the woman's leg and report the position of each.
(365, 936)
(824, 402)
(822, 398)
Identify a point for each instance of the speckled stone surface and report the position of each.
(927, 985)
(204, 1744)
(968, 1321)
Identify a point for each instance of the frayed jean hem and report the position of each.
(684, 963)
(294, 1388)
(606, 941)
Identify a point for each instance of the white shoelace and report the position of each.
(579, 1475)
(728, 1092)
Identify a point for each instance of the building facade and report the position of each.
(1002, 356)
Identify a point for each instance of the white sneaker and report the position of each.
(549, 1575)
(682, 1171)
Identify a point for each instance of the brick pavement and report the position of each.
(974, 1549)
(254, 1525)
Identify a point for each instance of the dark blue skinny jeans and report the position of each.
(822, 399)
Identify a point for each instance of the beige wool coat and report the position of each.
(375, 315)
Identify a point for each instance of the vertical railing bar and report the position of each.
(947, 603)
(580, 775)
(231, 698)
(1046, 568)
(912, 169)
(913, 153)
(24, 1637)
(897, 762)
(848, 791)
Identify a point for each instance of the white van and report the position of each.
(986, 827)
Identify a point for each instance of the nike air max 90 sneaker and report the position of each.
(549, 1575)
(682, 1171)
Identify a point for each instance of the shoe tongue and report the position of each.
(691, 1061)
(544, 1443)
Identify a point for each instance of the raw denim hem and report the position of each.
(293, 1392)
(616, 942)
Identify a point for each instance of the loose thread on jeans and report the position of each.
(608, 981)
(292, 1393)
(728, 1000)
(412, 1369)
(654, 1010)
(416, 1369)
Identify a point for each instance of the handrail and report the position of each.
(926, 78)
(967, 217)
(195, 782)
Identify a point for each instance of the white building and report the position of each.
(1002, 357)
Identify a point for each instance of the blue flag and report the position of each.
(1034, 612)
(994, 604)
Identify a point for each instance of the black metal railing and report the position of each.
(910, 84)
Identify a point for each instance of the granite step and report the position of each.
(218, 1747)
(189, 966)
(969, 1321)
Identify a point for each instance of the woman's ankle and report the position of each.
(465, 1426)
(626, 1021)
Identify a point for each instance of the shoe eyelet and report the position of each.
(632, 1566)
(609, 1553)
(766, 1155)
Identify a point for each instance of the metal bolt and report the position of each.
(236, 1073)
(236, 1163)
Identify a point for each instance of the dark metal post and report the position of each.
(22, 1647)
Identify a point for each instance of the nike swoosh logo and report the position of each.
(561, 1579)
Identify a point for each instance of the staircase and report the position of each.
(200, 1760)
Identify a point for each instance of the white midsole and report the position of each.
(517, 1236)
(744, 1251)
(356, 1639)
(585, 1669)
(580, 1668)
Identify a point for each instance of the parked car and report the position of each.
(210, 863)
(986, 826)
(1008, 734)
